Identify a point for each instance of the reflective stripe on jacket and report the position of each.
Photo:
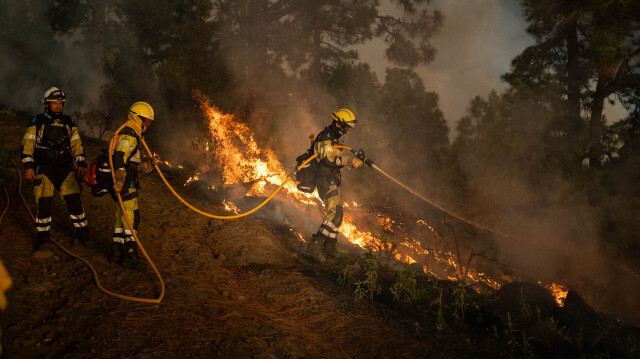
(33, 142)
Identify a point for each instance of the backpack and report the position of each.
(99, 175)
(306, 176)
(99, 171)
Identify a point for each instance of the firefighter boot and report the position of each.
(314, 248)
(117, 253)
(83, 237)
(329, 248)
(131, 259)
(42, 245)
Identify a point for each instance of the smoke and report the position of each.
(35, 59)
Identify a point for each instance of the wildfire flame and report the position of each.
(191, 179)
(229, 206)
(243, 162)
(559, 292)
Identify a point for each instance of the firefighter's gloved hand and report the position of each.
(81, 171)
(146, 167)
(30, 174)
(119, 182)
(356, 162)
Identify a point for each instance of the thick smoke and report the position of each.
(547, 238)
(34, 59)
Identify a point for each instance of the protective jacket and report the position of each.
(329, 159)
(50, 145)
(328, 182)
(127, 156)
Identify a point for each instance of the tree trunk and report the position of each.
(98, 28)
(596, 123)
(316, 64)
(573, 74)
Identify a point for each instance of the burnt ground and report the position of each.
(234, 288)
(240, 289)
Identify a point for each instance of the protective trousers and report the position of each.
(331, 195)
(121, 232)
(70, 191)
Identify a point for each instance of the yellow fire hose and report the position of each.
(120, 202)
(93, 271)
(6, 193)
(6, 207)
(236, 215)
(111, 150)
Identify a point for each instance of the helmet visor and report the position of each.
(146, 121)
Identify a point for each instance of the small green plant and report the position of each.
(387, 251)
(460, 300)
(525, 308)
(548, 329)
(346, 272)
(430, 291)
(440, 323)
(511, 345)
(417, 329)
(368, 287)
(404, 289)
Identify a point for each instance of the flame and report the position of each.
(191, 179)
(559, 292)
(386, 223)
(229, 206)
(242, 161)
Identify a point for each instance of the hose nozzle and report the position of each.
(360, 154)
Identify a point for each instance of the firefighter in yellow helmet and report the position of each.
(49, 148)
(127, 160)
(328, 178)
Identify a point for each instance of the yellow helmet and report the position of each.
(142, 109)
(345, 117)
(54, 94)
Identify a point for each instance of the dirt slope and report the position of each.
(234, 289)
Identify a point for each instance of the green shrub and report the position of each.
(368, 287)
(346, 271)
(404, 289)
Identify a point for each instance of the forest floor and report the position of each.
(242, 289)
(234, 289)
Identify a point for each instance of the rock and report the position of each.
(576, 313)
(42, 254)
(511, 298)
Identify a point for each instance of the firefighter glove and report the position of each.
(120, 175)
(81, 171)
(356, 162)
(146, 167)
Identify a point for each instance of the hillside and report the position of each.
(234, 289)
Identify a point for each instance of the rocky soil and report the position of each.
(234, 289)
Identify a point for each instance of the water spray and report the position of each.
(360, 155)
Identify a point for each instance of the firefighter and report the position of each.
(49, 148)
(127, 160)
(328, 178)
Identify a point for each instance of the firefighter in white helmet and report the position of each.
(127, 160)
(49, 148)
(328, 178)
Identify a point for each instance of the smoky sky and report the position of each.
(475, 46)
